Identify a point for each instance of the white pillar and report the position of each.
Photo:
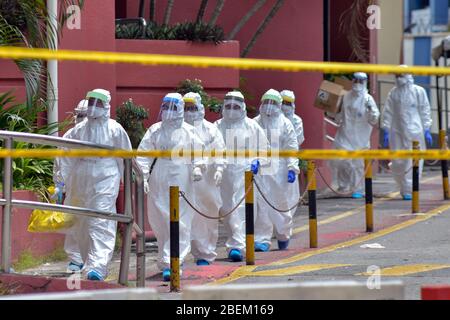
(52, 66)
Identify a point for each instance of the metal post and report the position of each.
(140, 239)
(127, 237)
(312, 205)
(249, 220)
(174, 239)
(369, 196)
(7, 209)
(415, 202)
(444, 164)
(446, 90)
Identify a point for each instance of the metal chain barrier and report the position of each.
(299, 202)
(204, 215)
(342, 193)
(350, 192)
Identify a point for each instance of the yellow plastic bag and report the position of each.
(50, 221)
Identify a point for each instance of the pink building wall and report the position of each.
(296, 33)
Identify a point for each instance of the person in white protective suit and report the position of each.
(288, 108)
(94, 183)
(357, 117)
(240, 133)
(172, 133)
(205, 232)
(278, 181)
(406, 118)
(79, 115)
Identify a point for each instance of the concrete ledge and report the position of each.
(333, 290)
(110, 294)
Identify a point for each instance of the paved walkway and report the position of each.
(415, 247)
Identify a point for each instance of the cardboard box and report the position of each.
(329, 97)
(346, 83)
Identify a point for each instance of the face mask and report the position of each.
(358, 87)
(401, 81)
(192, 117)
(232, 114)
(270, 110)
(287, 110)
(95, 113)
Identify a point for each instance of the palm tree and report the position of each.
(216, 13)
(168, 12)
(262, 27)
(152, 10)
(26, 23)
(247, 17)
(201, 11)
(352, 21)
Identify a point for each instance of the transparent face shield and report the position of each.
(171, 109)
(233, 108)
(288, 107)
(269, 108)
(96, 107)
(359, 84)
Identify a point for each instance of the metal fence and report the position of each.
(130, 215)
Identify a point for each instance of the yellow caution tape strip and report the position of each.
(207, 62)
(303, 154)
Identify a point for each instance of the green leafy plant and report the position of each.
(28, 173)
(26, 23)
(199, 32)
(211, 103)
(128, 31)
(131, 117)
(188, 31)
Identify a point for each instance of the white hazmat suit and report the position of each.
(80, 114)
(357, 117)
(172, 133)
(206, 193)
(94, 183)
(239, 133)
(288, 109)
(406, 117)
(274, 180)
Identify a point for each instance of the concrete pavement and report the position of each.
(416, 248)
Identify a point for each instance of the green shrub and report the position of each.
(187, 31)
(28, 173)
(131, 117)
(211, 103)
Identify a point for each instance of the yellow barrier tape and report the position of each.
(303, 154)
(206, 62)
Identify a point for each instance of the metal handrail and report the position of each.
(50, 140)
(127, 217)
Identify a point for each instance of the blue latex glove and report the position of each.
(255, 167)
(291, 176)
(428, 137)
(386, 139)
(58, 195)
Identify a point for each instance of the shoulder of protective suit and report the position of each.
(212, 127)
(115, 126)
(420, 89)
(298, 119)
(287, 123)
(218, 123)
